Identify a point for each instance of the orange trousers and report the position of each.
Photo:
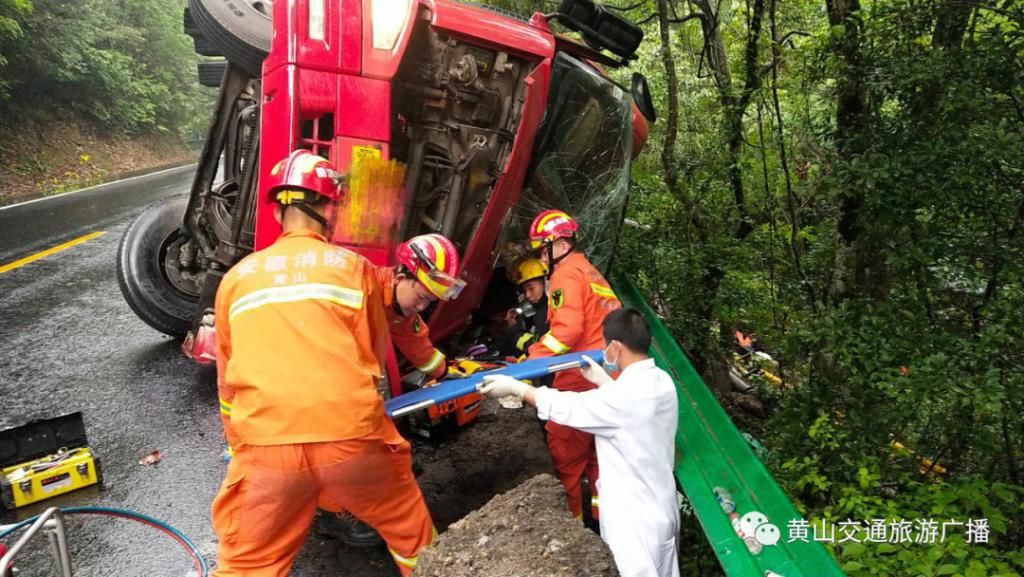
(266, 505)
(574, 455)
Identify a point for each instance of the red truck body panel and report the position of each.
(333, 96)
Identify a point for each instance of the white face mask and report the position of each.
(610, 366)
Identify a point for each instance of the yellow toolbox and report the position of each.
(43, 459)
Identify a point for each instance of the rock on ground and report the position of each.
(526, 532)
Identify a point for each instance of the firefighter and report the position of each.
(427, 270)
(301, 331)
(530, 320)
(579, 301)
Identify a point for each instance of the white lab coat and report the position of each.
(633, 420)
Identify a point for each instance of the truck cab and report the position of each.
(492, 118)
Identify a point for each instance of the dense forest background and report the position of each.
(844, 178)
(92, 85)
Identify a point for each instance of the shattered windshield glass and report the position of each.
(581, 158)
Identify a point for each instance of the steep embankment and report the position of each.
(38, 160)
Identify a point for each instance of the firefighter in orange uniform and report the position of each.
(426, 271)
(301, 331)
(421, 259)
(579, 300)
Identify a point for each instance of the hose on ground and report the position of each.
(175, 534)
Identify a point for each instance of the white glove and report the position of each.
(595, 373)
(499, 386)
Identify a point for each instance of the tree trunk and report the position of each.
(951, 23)
(795, 243)
(668, 160)
(714, 48)
(851, 111)
(851, 105)
(734, 106)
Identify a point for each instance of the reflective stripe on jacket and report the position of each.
(579, 298)
(300, 334)
(410, 334)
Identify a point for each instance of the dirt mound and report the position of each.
(526, 532)
(461, 472)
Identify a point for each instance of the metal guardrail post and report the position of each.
(52, 521)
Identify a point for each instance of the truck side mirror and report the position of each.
(642, 96)
(601, 28)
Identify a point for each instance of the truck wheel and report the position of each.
(147, 273)
(241, 29)
(210, 73)
(202, 46)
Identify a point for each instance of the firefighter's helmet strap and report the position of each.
(395, 306)
(554, 261)
(312, 214)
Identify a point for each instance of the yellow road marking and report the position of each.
(45, 253)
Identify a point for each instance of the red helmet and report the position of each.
(300, 177)
(550, 226)
(434, 261)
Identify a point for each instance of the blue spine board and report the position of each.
(447, 390)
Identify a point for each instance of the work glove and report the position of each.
(594, 372)
(451, 372)
(499, 386)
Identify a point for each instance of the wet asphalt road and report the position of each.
(68, 342)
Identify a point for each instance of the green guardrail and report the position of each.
(712, 454)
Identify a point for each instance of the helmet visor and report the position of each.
(449, 287)
(443, 285)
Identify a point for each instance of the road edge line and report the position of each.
(63, 194)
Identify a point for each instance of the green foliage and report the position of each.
(950, 551)
(10, 31)
(884, 267)
(123, 63)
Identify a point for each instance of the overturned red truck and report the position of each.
(494, 117)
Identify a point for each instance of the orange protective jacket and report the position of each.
(410, 334)
(301, 330)
(579, 298)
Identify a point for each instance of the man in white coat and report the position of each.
(633, 420)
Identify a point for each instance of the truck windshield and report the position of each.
(581, 157)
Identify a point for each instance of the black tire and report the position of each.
(188, 23)
(240, 29)
(200, 43)
(211, 73)
(143, 276)
(204, 47)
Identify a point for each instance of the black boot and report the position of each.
(347, 529)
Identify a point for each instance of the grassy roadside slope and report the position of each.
(41, 160)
